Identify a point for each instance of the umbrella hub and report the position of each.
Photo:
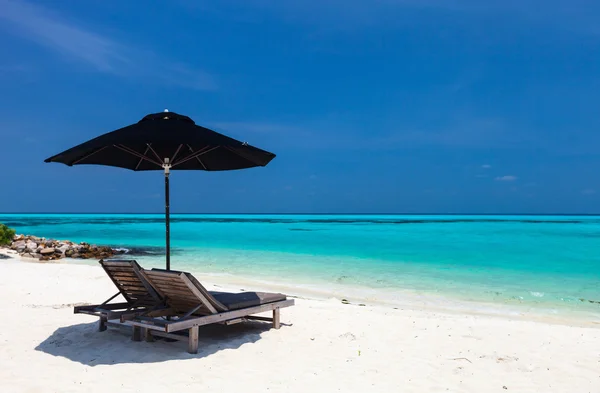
(167, 166)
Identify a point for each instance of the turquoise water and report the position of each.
(532, 260)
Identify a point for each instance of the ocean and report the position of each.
(548, 262)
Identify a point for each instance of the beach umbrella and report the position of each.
(165, 141)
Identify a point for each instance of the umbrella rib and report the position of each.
(191, 156)
(141, 160)
(195, 154)
(136, 154)
(176, 152)
(197, 158)
(155, 154)
(77, 161)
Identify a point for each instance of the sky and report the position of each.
(379, 106)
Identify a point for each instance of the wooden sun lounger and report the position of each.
(189, 305)
(138, 294)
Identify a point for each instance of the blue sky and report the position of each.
(371, 106)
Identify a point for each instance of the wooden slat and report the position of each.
(170, 285)
(88, 312)
(138, 293)
(162, 284)
(257, 318)
(163, 276)
(113, 306)
(129, 279)
(234, 321)
(132, 285)
(206, 320)
(179, 337)
(140, 290)
(115, 269)
(129, 283)
(117, 263)
(123, 275)
(176, 293)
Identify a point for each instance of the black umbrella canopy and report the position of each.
(143, 146)
(165, 141)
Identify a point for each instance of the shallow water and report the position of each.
(549, 261)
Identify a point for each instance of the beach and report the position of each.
(323, 345)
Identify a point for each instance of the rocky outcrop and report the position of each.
(50, 249)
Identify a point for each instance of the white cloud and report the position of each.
(486, 166)
(506, 178)
(588, 191)
(54, 32)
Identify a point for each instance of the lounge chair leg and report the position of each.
(276, 323)
(147, 335)
(193, 340)
(137, 334)
(102, 324)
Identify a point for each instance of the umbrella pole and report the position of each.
(167, 167)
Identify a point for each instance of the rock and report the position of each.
(47, 251)
(15, 245)
(51, 249)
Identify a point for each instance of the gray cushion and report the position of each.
(236, 301)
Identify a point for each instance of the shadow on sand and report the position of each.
(84, 344)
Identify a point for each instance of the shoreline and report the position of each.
(361, 296)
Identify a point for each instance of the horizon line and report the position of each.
(316, 214)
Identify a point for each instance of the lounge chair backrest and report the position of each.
(182, 292)
(133, 286)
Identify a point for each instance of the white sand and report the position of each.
(324, 346)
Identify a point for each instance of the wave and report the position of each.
(144, 250)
